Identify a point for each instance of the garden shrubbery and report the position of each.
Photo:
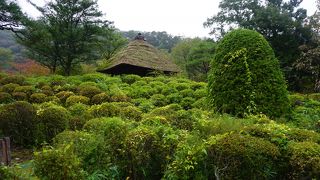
(245, 77)
(132, 127)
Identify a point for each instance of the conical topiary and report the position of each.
(245, 76)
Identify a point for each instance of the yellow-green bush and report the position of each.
(58, 163)
(100, 98)
(159, 100)
(9, 88)
(18, 121)
(13, 79)
(53, 119)
(89, 91)
(79, 116)
(38, 98)
(63, 95)
(25, 89)
(20, 96)
(71, 100)
(130, 79)
(5, 98)
(304, 160)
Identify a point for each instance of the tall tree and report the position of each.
(65, 34)
(10, 15)
(281, 22)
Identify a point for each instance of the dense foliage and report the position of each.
(245, 77)
(281, 22)
(102, 127)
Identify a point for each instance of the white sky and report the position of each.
(177, 17)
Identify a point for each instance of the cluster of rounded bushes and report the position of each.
(113, 148)
(34, 110)
(151, 128)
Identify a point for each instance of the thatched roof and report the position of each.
(141, 56)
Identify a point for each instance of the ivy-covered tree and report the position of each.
(66, 33)
(245, 77)
(281, 22)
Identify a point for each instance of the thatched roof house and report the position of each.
(139, 57)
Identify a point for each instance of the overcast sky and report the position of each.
(177, 17)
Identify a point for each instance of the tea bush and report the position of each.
(89, 91)
(53, 120)
(38, 98)
(18, 121)
(25, 89)
(5, 98)
(83, 144)
(304, 160)
(60, 163)
(9, 88)
(71, 100)
(100, 98)
(63, 95)
(20, 96)
(13, 79)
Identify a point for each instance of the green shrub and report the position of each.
(100, 98)
(175, 98)
(167, 90)
(53, 99)
(84, 144)
(25, 89)
(200, 93)
(5, 98)
(94, 77)
(201, 103)
(181, 86)
(159, 100)
(38, 98)
(304, 160)
(57, 80)
(71, 100)
(18, 120)
(63, 95)
(143, 104)
(54, 119)
(244, 157)
(187, 102)
(79, 116)
(187, 93)
(130, 79)
(114, 130)
(296, 99)
(20, 96)
(314, 96)
(147, 154)
(89, 91)
(104, 110)
(9, 88)
(229, 156)
(245, 77)
(13, 79)
(131, 112)
(60, 163)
